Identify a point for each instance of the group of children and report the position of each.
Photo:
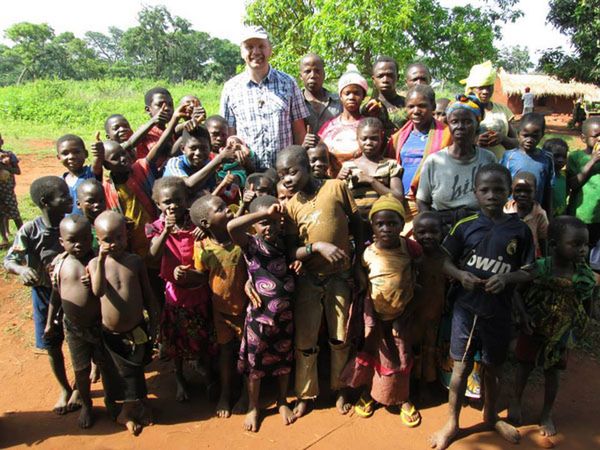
(167, 238)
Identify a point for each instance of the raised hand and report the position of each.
(344, 173)
(97, 147)
(311, 140)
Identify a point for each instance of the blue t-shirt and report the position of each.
(179, 166)
(485, 248)
(540, 164)
(411, 156)
(85, 175)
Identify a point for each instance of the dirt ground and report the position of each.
(28, 392)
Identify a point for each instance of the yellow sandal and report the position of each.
(405, 416)
(364, 408)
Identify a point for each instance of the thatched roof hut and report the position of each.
(551, 94)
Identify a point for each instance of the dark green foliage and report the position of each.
(580, 20)
(162, 46)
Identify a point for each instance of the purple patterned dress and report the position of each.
(266, 348)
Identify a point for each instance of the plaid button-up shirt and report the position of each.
(262, 113)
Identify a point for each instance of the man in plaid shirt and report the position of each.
(263, 106)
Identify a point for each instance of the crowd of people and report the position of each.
(418, 238)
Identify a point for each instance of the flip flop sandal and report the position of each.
(405, 416)
(364, 408)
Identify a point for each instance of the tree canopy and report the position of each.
(580, 20)
(515, 59)
(449, 41)
(161, 46)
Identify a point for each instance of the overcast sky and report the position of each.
(223, 18)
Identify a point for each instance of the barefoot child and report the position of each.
(384, 363)
(486, 252)
(267, 348)
(529, 158)
(158, 103)
(222, 261)
(524, 205)
(554, 312)
(117, 129)
(71, 152)
(559, 150)
(195, 165)
(439, 113)
(184, 330)
(81, 319)
(371, 175)
(9, 207)
(318, 158)
(24, 258)
(322, 215)
(120, 280)
(583, 178)
(427, 229)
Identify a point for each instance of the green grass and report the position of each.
(47, 109)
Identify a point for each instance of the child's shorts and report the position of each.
(228, 327)
(528, 350)
(85, 344)
(41, 300)
(491, 336)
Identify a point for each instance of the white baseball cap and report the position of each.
(254, 32)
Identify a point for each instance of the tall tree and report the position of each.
(515, 59)
(580, 21)
(344, 31)
(31, 43)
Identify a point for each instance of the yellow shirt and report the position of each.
(322, 217)
(227, 274)
(137, 218)
(391, 278)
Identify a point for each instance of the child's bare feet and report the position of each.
(133, 427)
(301, 408)
(74, 401)
(182, 392)
(286, 413)
(241, 406)
(126, 418)
(547, 427)
(441, 439)
(145, 413)
(86, 416)
(343, 406)
(507, 431)
(514, 412)
(60, 407)
(94, 374)
(223, 409)
(251, 420)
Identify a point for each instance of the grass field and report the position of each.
(46, 109)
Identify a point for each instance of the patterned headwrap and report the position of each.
(387, 203)
(468, 102)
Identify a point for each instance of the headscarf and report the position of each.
(468, 102)
(387, 203)
(482, 74)
(352, 76)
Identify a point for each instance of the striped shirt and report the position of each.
(262, 113)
